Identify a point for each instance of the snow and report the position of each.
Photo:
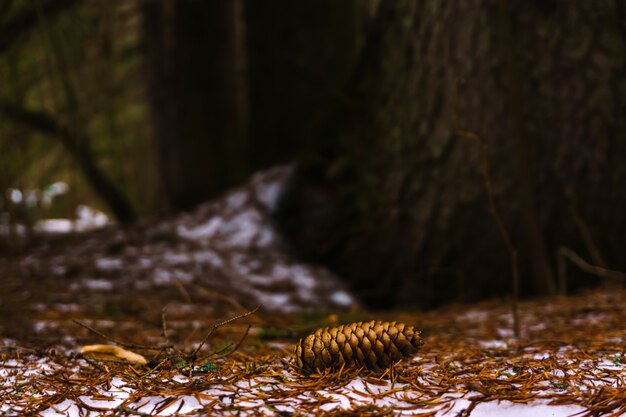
(269, 195)
(493, 344)
(510, 409)
(97, 284)
(109, 263)
(66, 408)
(243, 396)
(164, 277)
(229, 245)
(342, 298)
(87, 218)
(202, 231)
(563, 372)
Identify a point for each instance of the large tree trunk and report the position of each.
(195, 64)
(300, 54)
(542, 83)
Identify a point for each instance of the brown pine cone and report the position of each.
(373, 344)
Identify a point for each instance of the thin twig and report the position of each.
(119, 343)
(128, 410)
(589, 268)
(220, 324)
(164, 324)
(95, 364)
(485, 172)
(237, 345)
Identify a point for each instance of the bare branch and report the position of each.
(77, 147)
(220, 324)
(506, 237)
(589, 268)
(24, 22)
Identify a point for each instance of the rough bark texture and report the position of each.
(194, 62)
(300, 54)
(400, 208)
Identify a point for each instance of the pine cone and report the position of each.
(373, 344)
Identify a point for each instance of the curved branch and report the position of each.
(75, 145)
(27, 20)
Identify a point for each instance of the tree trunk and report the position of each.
(196, 84)
(540, 82)
(300, 54)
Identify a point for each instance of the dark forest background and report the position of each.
(435, 140)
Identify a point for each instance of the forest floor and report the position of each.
(569, 360)
(160, 288)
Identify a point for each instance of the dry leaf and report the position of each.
(112, 352)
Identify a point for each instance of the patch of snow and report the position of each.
(505, 333)
(145, 262)
(276, 301)
(166, 277)
(510, 409)
(53, 226)
(260, 279)
(67, 307)
(242, 229)
(270, 185)
(208, 256)
(236, 200)
(109, 263)
(493, 344)
(537, 327)
(97, 284)
(267, 237)
(89, 218)
(63, 409)
(202, 232)
(281, 271)
(173, 258)
(342, 298)
(303, 278)
(475, 315)
(154, 405)
(59, 269)
(269, 194)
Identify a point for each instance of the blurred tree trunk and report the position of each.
(542, 83)
(300, 54)
(196, 86)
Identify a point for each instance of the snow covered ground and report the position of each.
(569, 361)
(229, 245)
(258, 396)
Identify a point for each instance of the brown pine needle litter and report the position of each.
(571, 355)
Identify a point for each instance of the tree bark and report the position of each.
(540, 82)
(197, 92)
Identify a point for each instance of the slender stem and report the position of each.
(506, 237)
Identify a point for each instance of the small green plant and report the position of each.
(209, 367)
